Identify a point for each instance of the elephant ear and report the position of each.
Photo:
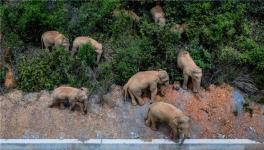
(84, 89)
(197, 72)
(162, 74)
(183, 120)
(174, 123)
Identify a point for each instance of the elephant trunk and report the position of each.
(185, 135)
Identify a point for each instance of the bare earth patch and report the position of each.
(211, 113)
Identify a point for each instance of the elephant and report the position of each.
(126, 13)
(79, 41)
(144, 80)
(54, 39)
(158, 15)
(190, 69)
(73, 95)
(174, 117)
(180, 28)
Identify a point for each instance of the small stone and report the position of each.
(221, 136)
(95, 99)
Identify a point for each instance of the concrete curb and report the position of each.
(125, 141)
(129, 144)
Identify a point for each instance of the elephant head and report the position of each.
(163, 77)
(61, 40)
(196, 79)
(180, 127)
(83, 94)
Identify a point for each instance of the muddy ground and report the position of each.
(26, 115)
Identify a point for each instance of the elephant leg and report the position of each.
(138, 94)
(72, 104)
(153, 123)
(54, 103)
(133, 100)
(147, 122)
(185, 81)
(98, 57)
(62, 106)
(73, 51)
(153, 90)
(81, 106)
(46, 45)
(195, 89)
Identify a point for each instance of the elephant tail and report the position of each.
(125, 88)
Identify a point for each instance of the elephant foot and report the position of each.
(184, 87)
(141, 103)
(134, 104)
(154, 128)
(147, 123)
(83, 113)
(195, 91)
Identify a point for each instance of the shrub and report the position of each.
(87, 54)
(91, 17)
(48, 70)
(29, 19)
(202, 58)
(132, 54)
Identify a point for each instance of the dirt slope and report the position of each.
(211, 113)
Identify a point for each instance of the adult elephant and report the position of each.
(143, 80)
(52, 39)
(81, 40)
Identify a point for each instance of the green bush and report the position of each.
(132, 54)
(29, 19)
(48, 70)
(91, 17)
(225, 38)
(87, 54)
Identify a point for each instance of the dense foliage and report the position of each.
(225, 38)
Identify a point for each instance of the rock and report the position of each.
(133, 135)
(221, 136)
(95, 99)
(246, 84)
(115, 97)
(237, 102)
(15, 96)
(31, 97)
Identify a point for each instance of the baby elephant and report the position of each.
(73, 95)
(79, 41)
(145, 80)
(54, 39)
(167, 113)
(158, 15)
(190, 69)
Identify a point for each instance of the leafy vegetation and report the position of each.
(225, 38)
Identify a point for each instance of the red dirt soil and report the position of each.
(212, 114)
(210, 111)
